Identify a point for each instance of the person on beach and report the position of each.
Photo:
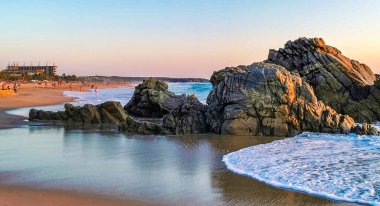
(96, 90)
(15, 87)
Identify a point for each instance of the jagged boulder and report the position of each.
(188, 118)
(266, 99)
(151, 99)
(346, 85)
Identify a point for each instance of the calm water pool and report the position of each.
(178, 170)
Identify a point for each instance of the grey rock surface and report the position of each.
(346, 85)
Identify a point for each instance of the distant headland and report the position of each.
(138, 79)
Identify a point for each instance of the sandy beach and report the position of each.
(33, 94)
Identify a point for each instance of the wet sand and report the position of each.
(10, 121)
(19, 196)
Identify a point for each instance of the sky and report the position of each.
(182, 38)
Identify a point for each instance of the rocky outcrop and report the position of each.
(110, 112)
(346, 85)
(151, 99)
(266, 99)
(181, 114)
(187, 118)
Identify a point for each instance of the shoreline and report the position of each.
(26, 196)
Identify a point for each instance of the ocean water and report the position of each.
(121, 94)
(340, 167)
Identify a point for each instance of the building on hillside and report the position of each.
(18, 70)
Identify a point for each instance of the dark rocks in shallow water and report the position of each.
(35, 114)
(266, 99)
(151, 99)
(109, 112)
(187, 118)
(346, 85)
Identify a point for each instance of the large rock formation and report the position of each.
(188, 118)
(266, 99)
(344, 84)
(151, 99)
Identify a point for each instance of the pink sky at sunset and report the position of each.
(177, 39)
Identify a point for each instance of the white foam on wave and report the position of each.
(377, 125)
(120, 94)
(339, 167)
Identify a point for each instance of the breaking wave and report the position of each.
(339, 167)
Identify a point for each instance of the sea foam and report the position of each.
(339, 167)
